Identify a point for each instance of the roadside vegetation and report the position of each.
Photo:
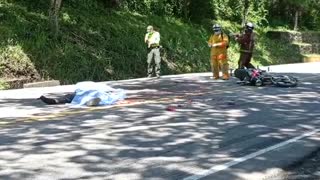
(102, 40)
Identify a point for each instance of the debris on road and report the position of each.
(171, 108)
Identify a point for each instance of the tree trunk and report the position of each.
(186, 6)
(111, 3)
(296, 20)
(54, 16)
(245, 12)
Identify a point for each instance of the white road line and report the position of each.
(236, 161)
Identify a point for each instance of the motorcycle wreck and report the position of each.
(257, 77)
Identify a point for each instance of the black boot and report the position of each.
(48, 100)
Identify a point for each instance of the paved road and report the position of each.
(219, 130)
(307, 169)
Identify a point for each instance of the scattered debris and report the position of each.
(171, 108)
(231, 103)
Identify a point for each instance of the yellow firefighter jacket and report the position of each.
(221, 50)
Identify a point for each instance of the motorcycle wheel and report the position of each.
(241, 74)
(259, 82)
(285, 81)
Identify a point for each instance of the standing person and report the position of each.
(218, 43)
(152, 39)
(246, 41)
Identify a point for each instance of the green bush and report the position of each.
(14, 63)
(3, 85)
(100, 44)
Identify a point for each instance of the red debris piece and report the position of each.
(171, 108)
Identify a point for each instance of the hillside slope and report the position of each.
(99, 44)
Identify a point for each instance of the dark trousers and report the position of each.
(245, 60)
(67, 98)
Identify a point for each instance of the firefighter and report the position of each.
(246, 41)
(152, 39)
(218, 43)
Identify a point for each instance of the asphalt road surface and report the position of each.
(177, 127)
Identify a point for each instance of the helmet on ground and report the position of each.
(216, 28)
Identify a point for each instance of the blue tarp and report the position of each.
(88, 90)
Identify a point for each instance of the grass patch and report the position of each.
(98, 44)
(3, 85)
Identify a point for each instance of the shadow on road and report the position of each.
(212, 123)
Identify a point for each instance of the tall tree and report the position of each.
(246, 5)
(298, 7)
(111, 3)
(186, 8)
(54, 10)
